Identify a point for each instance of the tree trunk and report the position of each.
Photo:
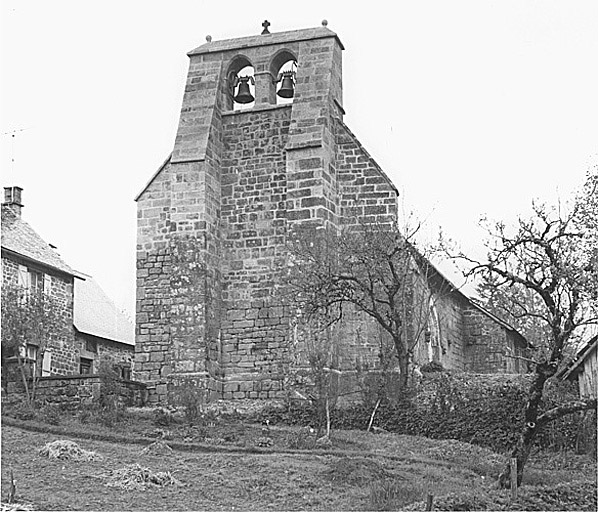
(524, 444)
(404, 375)
(24, 378)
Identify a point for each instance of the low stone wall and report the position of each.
(71, 391)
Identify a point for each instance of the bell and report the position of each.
(287, 89)
(244, 95)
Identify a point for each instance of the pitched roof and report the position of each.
(19, 237)
(579, 358)
(96, 314)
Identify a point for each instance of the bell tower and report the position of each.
(260, 148)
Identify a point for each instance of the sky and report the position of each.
(472, 108)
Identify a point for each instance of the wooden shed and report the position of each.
(584, 369)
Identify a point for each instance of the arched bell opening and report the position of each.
(284, 71)
(240, 86)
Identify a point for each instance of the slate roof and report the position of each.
(19, 237)
(97, 315)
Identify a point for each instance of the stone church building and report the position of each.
(261, 147)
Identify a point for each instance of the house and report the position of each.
(29, 263)
(103, 333)
(584, 369)
(261, 152)
(93, 329)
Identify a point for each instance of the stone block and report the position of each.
(230, 387)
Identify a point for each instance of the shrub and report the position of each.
(432, 366)
(301, 441)
(162, 417)
(20, 411)
(51, 414)
(192, 398)
(107, 408)
(484, 410)
(393, 494)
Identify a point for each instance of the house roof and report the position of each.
(97, 315)
(19, 238)
(584, 352)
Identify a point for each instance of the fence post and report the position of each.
(513, 479)
(429, 501)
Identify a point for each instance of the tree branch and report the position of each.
(564, 409)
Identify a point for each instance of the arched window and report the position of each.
(433, 334)
(240, 93)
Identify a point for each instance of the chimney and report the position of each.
(12, 198)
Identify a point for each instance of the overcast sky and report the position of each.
(472, 107)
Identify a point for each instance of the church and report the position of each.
(262, 148)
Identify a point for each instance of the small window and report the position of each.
(36, 282)
(91, 346)
(29, 353)
(33, 281)
(85, 366)
(125, 372)
(46, 363)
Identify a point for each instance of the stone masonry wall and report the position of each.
(153, 281)
(72, 392)
(486, 343)
(105, 351)
(64, 356)
(367, 195)
(254, 199)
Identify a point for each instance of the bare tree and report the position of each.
(28, 320)
(372, 266)
(545, 272)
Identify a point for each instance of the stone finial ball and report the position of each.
(209, 39)
(324, 23)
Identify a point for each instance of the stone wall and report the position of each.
(64, 356)
(79, 390)
(367, 195)
(254, 330)
(104, 351)
(488, 345)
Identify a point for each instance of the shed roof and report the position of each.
(583, 353)
(96, 314)
(19, 238)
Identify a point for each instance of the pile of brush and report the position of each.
(134, 477)
(68, 450)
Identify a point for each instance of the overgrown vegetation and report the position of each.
(483, 410)
(31, 321)
(107, 407)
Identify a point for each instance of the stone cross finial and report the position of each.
(266, 24)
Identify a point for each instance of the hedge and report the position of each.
(481, 409)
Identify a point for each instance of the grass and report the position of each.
(361, 471)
